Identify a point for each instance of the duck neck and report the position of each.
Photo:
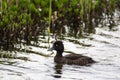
(59, 53)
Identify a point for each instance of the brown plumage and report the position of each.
(76, 59)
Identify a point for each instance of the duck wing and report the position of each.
(78, 59)
(73, 56)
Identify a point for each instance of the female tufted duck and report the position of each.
(76, 59)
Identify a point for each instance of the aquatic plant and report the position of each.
(22, 21)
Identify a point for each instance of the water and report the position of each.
(103, 47)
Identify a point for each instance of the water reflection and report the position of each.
(58, 70)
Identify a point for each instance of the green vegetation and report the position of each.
(22, 21)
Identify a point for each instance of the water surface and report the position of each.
(103, 47)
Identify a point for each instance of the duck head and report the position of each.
(58, 46)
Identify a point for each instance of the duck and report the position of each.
(70, 59)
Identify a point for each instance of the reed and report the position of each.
(50, 12)
(22, 21)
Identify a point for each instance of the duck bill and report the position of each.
(50, 49)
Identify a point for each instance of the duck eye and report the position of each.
(56, 45)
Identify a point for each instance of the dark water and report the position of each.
(103, 47)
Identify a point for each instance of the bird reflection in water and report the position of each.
(58, 70)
